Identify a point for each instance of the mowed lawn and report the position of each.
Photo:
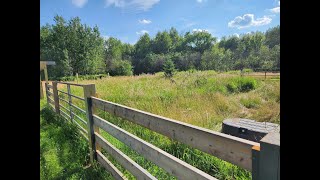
(200, 98)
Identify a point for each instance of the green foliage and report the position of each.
(75, 47)
(273, 36)
(168, 68)
(121, 68)
(162, 43)
(199, 41)
(247, 70)
(241, 84)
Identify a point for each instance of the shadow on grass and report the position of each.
(64, 154)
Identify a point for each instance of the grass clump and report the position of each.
(241, 84)
(250, 102)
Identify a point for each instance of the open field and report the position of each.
(200, 98)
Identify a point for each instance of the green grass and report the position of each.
(63, 153)
(200, 98)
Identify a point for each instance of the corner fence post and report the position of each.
(267, 165)
(56, 96)
(255, 162)
(90, 90)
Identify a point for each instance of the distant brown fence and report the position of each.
(262, 159)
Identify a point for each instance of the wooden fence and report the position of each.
(262, 159)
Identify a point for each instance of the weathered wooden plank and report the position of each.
(168, 162)
(255, 162)
(123, 159)
(229, 148)
(109, 166)
(269, 157)
(49, 86)
(41, 88)
(56, 97)
(88, 91)
(70, 101)
(73, 84)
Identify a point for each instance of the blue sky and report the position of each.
(128, 19)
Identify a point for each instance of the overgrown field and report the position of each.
(200, 98)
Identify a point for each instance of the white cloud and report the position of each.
(276, 9)
(145, 21)
(190, 24)
(79, 3)
(236, 34)
(142, 32)
(200, 30)
(248, 20)
(136, 5)
(201, 1)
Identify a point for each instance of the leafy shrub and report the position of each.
(241, 84)
(121, 68)
(247, 70)
(168, 68)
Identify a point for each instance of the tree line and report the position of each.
(78, 48)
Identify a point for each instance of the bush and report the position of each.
(121, 68)
(168, 68)
(247, 70)
(241, 84)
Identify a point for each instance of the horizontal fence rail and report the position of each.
(81, 110)
(123, 159)
(170, 163)
(243, 153)
(73, 84)
(229, 148)
(109, 166)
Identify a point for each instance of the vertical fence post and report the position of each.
(47, 96)
(90, 90)
(56, 96)
(41, 88)
(269, 157)
(70, 102)
(255, 162)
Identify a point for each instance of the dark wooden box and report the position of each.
(248, 129)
